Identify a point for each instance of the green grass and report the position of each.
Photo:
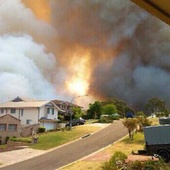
(137, 139)
(53, 139)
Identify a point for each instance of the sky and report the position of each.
(53, 49)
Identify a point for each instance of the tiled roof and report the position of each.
(24, 104)
(58, 102)
(8, 115)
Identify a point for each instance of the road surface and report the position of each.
(73, 151)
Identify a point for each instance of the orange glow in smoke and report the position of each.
(40, 8)
(77, 83)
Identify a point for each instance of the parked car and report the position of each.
(76, 122)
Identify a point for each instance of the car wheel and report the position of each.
(164, 155)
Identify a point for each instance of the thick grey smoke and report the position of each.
(26, 68)
(129, 49)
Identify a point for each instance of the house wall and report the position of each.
(43, 113)
(8, 120)
(51, 115)
(29, 114)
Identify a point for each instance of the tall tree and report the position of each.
(109, 109)
(121, 106)
(156, 105)
(77, 112)
(94, 110)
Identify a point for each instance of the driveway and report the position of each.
(73, 151)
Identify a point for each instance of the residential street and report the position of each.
(73, 151)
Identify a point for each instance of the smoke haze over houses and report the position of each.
(60, 49)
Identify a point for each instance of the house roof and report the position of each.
(26, 103)
(23, 104)
(158, 8)
(58, 102)
(9, 115)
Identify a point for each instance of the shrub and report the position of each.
(105, 120)
(137, 165)
(7, 138)
(117, 162)
(25, 140)
(41, 129)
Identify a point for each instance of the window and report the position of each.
(12, 127)
(2, 110)
(48, 110)
(63, 106)
(2, 127)
(22, 112)
(52, 111)
(28, 121)
(13, 110)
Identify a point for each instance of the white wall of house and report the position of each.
(26, 115)
(29, 116)
(53, 113)
(32, 115)
(43, 112)
(48, 112)
(8, 111)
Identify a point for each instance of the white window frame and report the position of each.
(13, 110)
(22, 112)
(28, 121)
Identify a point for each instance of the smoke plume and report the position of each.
(108, 49)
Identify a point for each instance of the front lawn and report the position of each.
(50, 140)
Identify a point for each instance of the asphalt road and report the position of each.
(73, 151)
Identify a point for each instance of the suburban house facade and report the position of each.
(9, 127)
(65, 106)
(31, 112)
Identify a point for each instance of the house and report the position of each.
(31, 112)
(65, 106)
(9, 127)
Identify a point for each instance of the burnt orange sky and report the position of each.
(41, 8)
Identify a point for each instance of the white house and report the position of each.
(31, 111)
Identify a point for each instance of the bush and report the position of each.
(7, 138)
(105, 120)
(41, 129)
(117, 162)
(25, 140)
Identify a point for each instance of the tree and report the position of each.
(121, 106)
(109, 109)
(142, 122)
(140, 113)
(156, 105)
(131, 125)
(77, 112)
(94, 110)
